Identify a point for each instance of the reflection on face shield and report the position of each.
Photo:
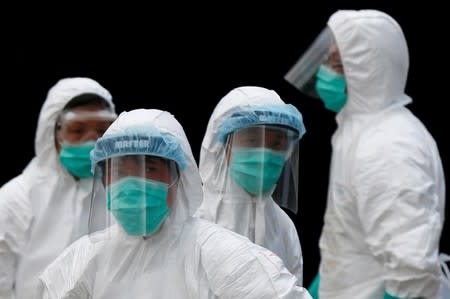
(258, 155)
(138, 191)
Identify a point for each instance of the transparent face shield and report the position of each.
(79, 126)
(321, 61)
(133, 191)
(259, 162)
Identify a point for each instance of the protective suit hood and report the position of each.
(375, 57)
(238, 97)
(58, 96)
(44, 209)
(241, 97)
(386, 194)
(258, 218)
(143, 120)
(194, 259)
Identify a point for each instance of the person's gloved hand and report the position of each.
(313, 288)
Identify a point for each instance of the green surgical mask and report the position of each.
(138, 204)
(330, 87)
(76, 159)
(257, 170)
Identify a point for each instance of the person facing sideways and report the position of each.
(44, 209)
(386, 196)
(144, 240)
(249, 167)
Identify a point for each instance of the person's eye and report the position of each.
(279, 144)
(77, 131)
(150, 169)
(252, 139)
(101, 130)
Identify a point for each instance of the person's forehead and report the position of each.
(87, 120)
(333, 48)
(333, 52)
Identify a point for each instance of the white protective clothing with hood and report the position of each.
(386, 197)
(44, 209)
(187, 258)
(258, 218)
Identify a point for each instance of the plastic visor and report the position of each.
(128, 182)
(76, 127)
(258, 162)
(323, 51)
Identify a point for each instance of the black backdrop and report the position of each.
(184, 59)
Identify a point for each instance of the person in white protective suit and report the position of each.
(149, 186)
(249, 166)
(385, 208)
(45, 208)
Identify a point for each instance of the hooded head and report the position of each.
(254, 113)
(57, 98)
(375, 59)
(149, 133)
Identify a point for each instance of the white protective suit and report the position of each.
(386, 197)
(187, 258)
(261, 219)
(44, 209)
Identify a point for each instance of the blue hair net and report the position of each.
(247, 116)
(138, 141)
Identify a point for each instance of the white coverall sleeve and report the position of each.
(398, 206)
(68, 276)
(15, 219)
(237, 268)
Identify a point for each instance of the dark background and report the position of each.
(184, 59)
